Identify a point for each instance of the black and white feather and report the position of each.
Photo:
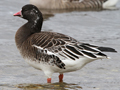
(55, 48)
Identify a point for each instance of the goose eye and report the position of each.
(25, 9)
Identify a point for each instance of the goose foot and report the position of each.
(61, 78)
(48, 80)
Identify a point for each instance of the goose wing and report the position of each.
(60, 47)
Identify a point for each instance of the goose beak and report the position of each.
(18, 14)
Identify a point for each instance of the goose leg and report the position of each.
(48, 80)
(61, 78)
(48, 74)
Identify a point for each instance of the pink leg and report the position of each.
(48, 80)
(61, 78)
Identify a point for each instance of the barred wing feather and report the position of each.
(66, 47)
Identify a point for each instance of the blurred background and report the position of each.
(95, 27)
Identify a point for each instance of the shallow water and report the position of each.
(95, 27)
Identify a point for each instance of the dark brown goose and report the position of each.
(52, 52)
(74, 4)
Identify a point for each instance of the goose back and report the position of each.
(68, 4)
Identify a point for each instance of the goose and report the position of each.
(52, 52)
(74, 4)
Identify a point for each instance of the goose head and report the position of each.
(33, 15)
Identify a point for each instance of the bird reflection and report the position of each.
(52, 86)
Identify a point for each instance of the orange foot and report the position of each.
(48, 80)
(61, 78)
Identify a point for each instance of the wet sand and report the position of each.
(95, 27)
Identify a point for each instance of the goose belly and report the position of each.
(73, 65)
(70, 65)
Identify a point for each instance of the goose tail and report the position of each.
(109, 4)
(106, 49)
